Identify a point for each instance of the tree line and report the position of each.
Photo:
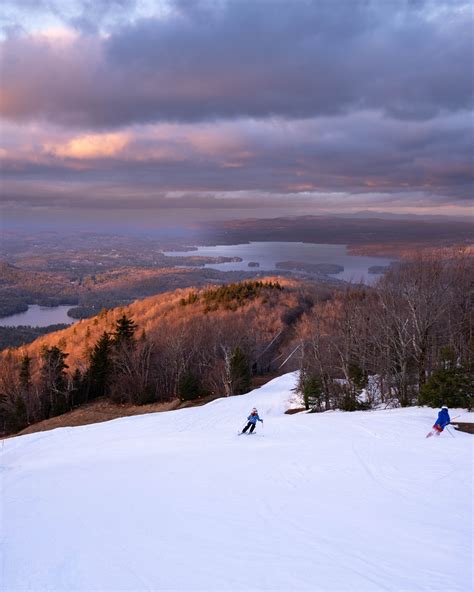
(407, 340)
(233, 333)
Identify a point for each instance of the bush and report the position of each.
(453, 387)
(189, 388)
(240, 372)
(312, 391)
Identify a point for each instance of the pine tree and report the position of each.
(240, 372)
(54, 381)
(21, 407)
(451, 384)
(453, 387)
(78, 393)
(358, 378)
(189, 387)
(25, 373)
(21, 415)
(124, 334)
(100, 367)
(312, 390)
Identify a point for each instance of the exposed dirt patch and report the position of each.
(96, 412)
(104, 410)
(464, 427)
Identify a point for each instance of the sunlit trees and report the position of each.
(389, 337)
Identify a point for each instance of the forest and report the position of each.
(407, 340)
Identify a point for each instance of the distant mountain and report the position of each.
(354, 230)
(369, 214)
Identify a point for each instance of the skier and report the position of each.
(252, 421)
(442, 421)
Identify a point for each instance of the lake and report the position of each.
(39, 316)
(267, 254)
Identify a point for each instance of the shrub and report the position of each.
(189, 388)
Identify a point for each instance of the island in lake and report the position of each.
(378, 269)
(314, 268)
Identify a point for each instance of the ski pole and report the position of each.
(452, 435)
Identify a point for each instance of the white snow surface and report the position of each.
(177, 501)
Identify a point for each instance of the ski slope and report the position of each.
(177, 501)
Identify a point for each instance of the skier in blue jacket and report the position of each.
(252, 421)
(442, 421)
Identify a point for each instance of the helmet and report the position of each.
(254, 409)
(444, 407)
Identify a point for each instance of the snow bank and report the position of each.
(177, 501)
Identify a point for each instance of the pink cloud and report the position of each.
(90, 146)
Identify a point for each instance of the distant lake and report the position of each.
(39, 316)
(267, 254)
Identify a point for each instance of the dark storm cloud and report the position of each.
(234, 59)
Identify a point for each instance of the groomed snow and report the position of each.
(177, 501)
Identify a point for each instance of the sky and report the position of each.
(121, 111)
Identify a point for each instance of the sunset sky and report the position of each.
(155, 112)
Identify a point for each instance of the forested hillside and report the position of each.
(407, 340)
(185, 344)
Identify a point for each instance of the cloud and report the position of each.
(353, 153)
(87, 16)
(99, 202)
(211, 104)
(206, 60)
(90, 146)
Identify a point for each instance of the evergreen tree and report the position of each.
(453, 387)
(100, 367)
(25, 373)
(358, 378)
(53, 381)
(312, 390)
(451, 384)
(240, 372)
(25, 391)
(78, 393)
(124, 334)
(189, 387)
(20, 414)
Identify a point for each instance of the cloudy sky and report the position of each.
(183, 109)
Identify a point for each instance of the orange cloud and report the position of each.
(91, 146)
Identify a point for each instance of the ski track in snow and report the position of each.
(330, 502)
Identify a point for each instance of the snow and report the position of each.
(177, 501)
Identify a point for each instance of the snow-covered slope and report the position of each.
(177, 501)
